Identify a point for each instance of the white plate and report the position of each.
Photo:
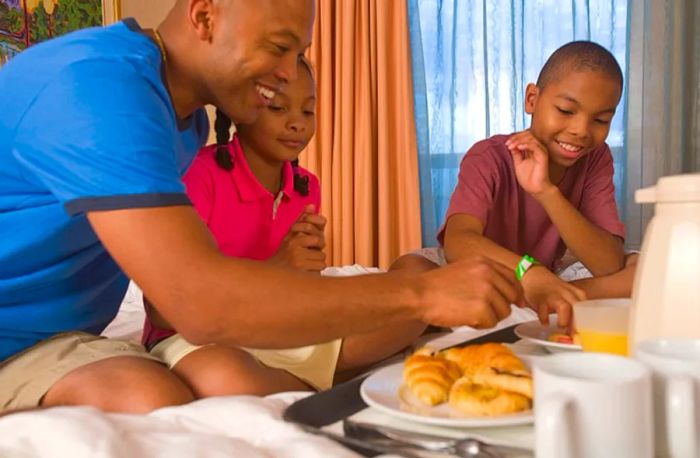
(381, 391)
(535, 332)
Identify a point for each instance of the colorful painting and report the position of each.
(25, 22)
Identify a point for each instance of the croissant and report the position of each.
(429, 377)
(471, 398)
(493, 364)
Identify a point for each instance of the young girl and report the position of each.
(260, 204)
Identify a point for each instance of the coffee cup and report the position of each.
(592, 405)
(675, 366)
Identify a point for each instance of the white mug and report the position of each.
(675, 366)
(592, 405)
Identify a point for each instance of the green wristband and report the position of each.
(524, 265)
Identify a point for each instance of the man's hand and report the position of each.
(531, 162)
(476, 292)
(302, 247)
(547, 293)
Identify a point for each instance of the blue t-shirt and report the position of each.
(86, 124)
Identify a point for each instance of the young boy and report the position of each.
(537, 193)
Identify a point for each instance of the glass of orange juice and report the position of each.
(602, 325)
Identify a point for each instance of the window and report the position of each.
(472, 60)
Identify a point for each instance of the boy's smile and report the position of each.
(571, 116)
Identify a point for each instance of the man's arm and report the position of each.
(544, 291)
(209, 297)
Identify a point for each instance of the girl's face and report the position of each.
(286, 126)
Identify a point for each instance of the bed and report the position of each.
(240, 426)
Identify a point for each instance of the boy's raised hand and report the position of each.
(302, 247)
(531, 162)
(547, 293)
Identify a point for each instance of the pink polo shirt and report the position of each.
(247, 220)
(488, 190)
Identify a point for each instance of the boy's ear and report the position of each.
(532, 93)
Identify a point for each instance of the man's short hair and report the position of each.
(579, 56)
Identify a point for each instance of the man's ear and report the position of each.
(532, 93)
(200, 14)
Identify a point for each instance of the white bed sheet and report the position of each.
(235, 426)
(240, 426)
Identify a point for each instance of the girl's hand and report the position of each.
(531, 162)
(546, 293)
(311, 223)
(302, 247)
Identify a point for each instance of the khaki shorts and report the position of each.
(314, 364)
(27, 376)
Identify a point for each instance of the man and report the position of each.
(98, 127)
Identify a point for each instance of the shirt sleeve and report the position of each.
(474, 192)
(598, 199)
(101, 136)
(200, 188)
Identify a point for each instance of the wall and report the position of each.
(149, 13)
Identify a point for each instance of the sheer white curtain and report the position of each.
(663, 117)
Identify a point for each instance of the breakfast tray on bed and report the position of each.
(343, 400)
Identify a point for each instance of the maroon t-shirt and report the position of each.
(488, 190)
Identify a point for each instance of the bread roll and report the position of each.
(479, 380)
(470, 398)
(430, 377)
(493, 364)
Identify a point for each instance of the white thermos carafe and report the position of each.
(666, 292)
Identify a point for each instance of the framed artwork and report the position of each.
(26, 22)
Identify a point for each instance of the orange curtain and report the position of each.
(365, 150)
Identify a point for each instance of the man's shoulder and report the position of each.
(75, 69)
(96, 54)
(113, 43)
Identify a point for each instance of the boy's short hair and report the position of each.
(579, 56)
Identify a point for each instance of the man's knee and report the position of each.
(120, 384)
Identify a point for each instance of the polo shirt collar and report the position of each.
(249, 188)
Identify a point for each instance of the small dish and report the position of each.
(537, 333)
